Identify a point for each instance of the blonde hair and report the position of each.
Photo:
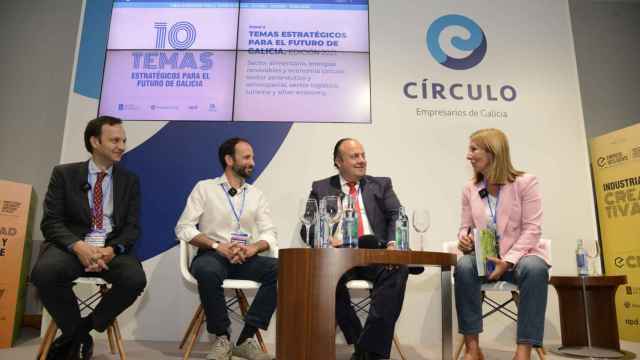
(495, 142)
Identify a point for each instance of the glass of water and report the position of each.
(421, 221)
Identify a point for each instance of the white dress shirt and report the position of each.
(208, 207)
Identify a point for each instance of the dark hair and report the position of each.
(336, 150)
(94, 128)
(228, 148)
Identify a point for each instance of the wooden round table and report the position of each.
(590, 330)
(307, 280)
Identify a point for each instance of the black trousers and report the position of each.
(53, 276)
(387, 296)
(211, 269)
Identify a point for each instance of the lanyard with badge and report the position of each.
(492, 225)
(237, 235)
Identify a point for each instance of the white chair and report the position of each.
(362, 306)
(187, 252)
(88, 303)
(497, 286)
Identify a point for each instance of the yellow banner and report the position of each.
(615, 159)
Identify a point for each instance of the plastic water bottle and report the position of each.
(402, 230)
(581, 259)
(348, 225)
(321, 228)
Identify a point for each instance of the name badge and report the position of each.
(240, 237)
(96, 238)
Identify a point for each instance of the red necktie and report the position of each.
(354, 195)
(97, 202)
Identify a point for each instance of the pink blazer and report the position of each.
(519, 217)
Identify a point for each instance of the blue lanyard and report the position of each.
(233, 208)
(492, 211)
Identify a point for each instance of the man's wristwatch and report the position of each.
(215, 245)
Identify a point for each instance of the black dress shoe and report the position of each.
(85, 348)
(365, 355)
(82, 348)
(60, 348)
(357, 353)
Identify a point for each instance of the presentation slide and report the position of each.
(238, 60)
(168, 85)
(303, 87)
(202, 25)
(316, 25)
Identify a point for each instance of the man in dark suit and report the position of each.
(90, 225)
(376, 207)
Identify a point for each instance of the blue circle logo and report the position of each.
(476, 43)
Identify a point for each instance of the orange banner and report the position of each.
(15, 253)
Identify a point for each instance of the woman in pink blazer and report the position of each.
(501, 198)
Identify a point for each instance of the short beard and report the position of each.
(243, 172)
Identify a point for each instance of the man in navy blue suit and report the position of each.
(376, 206)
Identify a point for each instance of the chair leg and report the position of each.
(244, 307)
(456, 356)
(110, 337)
(44, 340)
(242, 302)
(261, 341)
(49, 335)
(396, 342)
(103, 289)
(118, 336)
(196, 315)
(194, 336)
(541, 353)
(516, 297)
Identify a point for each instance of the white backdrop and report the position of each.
(530, 48)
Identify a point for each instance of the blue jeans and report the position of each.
(211, 269)
(531, 274)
